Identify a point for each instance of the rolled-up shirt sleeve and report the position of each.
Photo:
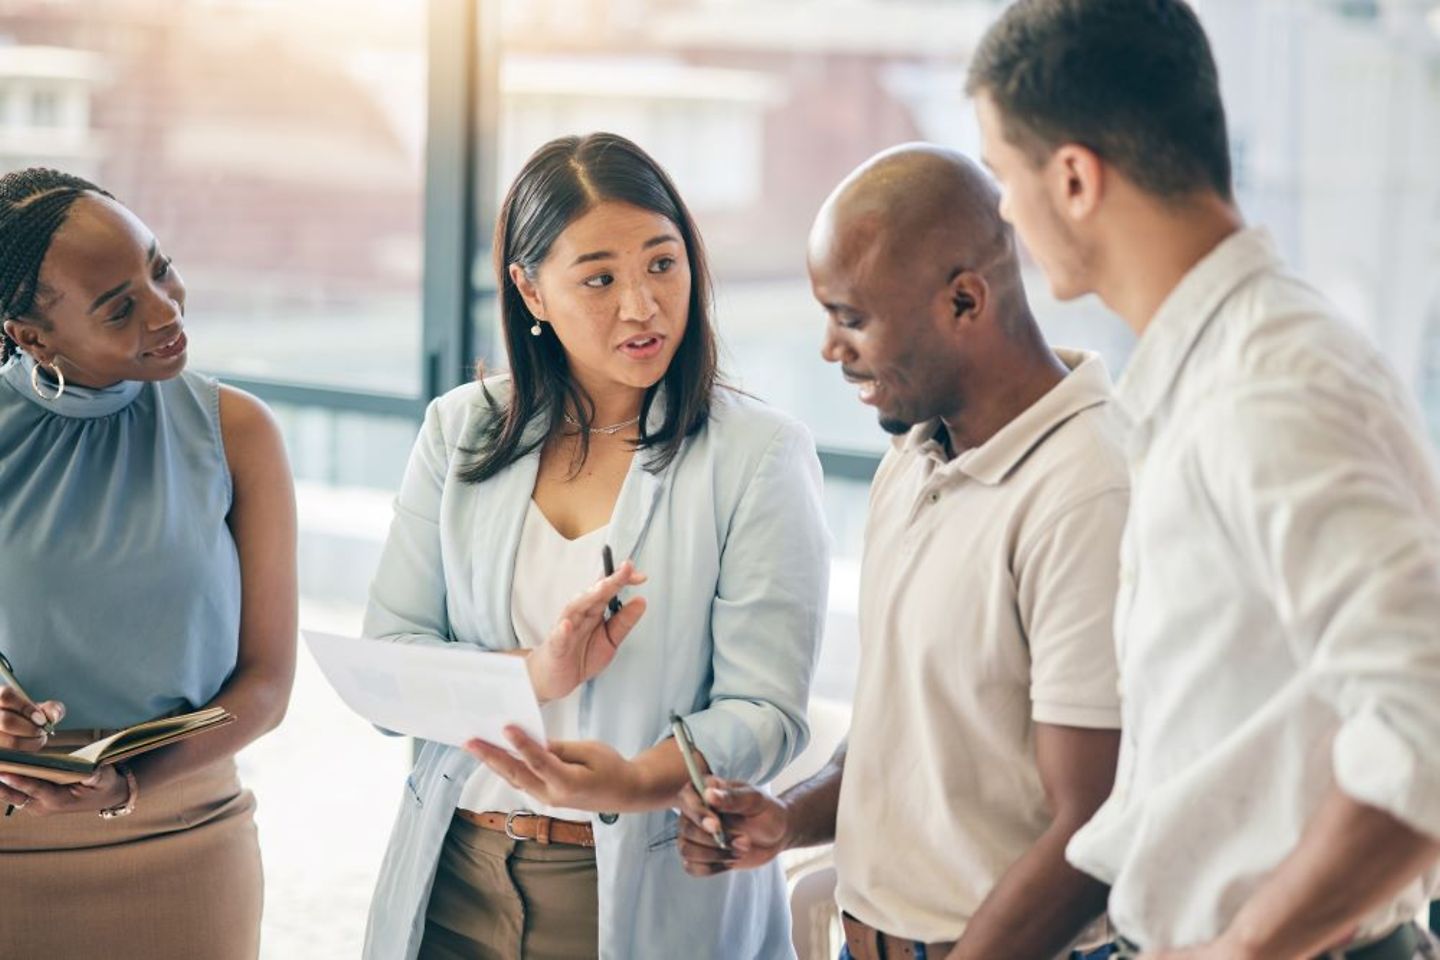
(767, 616)
(1334, 496)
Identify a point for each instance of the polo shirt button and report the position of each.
(935, 497)
(609, 818)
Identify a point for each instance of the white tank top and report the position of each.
(549, 572)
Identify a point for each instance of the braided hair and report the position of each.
(33, 204)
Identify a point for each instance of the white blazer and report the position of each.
(733, 539)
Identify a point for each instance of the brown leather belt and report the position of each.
(532, 826)
(867, 943)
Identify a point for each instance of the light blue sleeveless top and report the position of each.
(119, 579)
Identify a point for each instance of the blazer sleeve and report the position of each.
(768, 615)
(407, 596)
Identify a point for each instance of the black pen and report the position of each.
(609, 559)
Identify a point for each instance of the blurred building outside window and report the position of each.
(278, 150)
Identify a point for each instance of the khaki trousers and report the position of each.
(500, 899)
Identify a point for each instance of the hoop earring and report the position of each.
(535, 330)
(35, 382)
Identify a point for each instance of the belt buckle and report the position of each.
(510, 823)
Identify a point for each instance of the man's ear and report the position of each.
(969, 294)
(1076, 177)
(528, 291)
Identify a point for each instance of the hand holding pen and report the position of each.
(25, 724)
(587, 635)
(756, 827)
(681, 733)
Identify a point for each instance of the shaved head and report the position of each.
(931, 209)
(918, 274)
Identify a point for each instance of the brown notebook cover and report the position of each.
(79, 764)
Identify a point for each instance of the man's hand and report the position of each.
(756, 824)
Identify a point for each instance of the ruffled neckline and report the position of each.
(83, 403)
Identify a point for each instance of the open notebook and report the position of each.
(77, 765)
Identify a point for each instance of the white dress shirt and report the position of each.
(1278, 623)
(986, 600)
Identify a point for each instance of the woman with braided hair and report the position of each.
(148, 568)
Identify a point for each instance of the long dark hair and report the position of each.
(560, 182)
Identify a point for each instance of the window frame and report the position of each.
(458, 297)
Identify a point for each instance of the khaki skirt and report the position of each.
(178, 878)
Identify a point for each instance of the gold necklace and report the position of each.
(614, 428)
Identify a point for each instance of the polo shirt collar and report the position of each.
(1087, 385)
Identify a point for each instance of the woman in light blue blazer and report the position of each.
(610, 430)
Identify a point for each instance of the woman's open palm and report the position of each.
(583, 642)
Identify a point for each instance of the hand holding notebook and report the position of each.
(75, 766)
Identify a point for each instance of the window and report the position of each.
(277, 150)
(326, 173)
(285, 174)
(45, 108)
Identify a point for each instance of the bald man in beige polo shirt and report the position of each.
(985, 720)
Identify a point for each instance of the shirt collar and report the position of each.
(1087, 385)
(1183, 316)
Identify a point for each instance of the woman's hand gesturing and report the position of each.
(584, 642)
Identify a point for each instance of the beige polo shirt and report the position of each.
(986, 595)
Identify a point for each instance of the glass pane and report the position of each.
(274, 148)
(758, 108)
(327, 782)
(1334, 112)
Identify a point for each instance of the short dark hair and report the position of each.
(560, 182)
(1133, 80)
(33, 204)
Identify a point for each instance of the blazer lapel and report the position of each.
(499, 520)
(639, 496)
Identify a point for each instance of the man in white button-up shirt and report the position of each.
(983, 732)
(1278, 622)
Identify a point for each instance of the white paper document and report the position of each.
(448, 694)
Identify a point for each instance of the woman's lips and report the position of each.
(643, 348)
(172, 349)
